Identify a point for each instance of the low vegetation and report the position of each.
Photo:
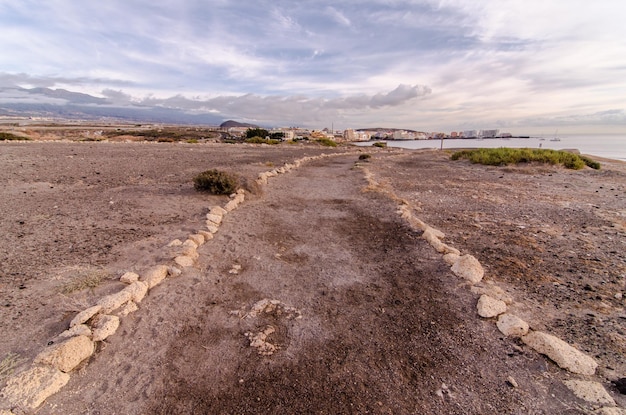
(326, 142)
(504, 156)
(365, 156)
(380, 144)
(8, 364)
(12, 137)
(216, 182)
(260, 140)
(87, 279)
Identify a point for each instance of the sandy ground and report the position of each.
(368, 318)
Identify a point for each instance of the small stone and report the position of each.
(67, 355)
(197, 238)
(137, 290)
(512, 326)
(155, 275)
(469, 268)
(129, 278)
(189, 243)
(190, 251)
(77, 330)
(207, 235)
(184, 261)
(130, 307)
(31, 388)
(512, 382)
(211, 227)
(175, 242)
(451, 258)
(174, 272)
(85, 315)
(490, 307)
(592, 392)
(105, 327)
(114, 301)
(564, 355)
(216, 219)
(218, 210)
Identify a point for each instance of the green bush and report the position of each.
(216, 182)
(380, 144)
(591, 163)
(326, 142)
(504, 156)
(10, 137)
(261, 140)
(365, 156)
(192, 141)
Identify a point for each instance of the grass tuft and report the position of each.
(86, 279)
(504, 156)
(380, 144)
(216, 182)
(8, 364)
(326, 142)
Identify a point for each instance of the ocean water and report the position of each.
(611, 146)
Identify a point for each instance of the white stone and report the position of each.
(207, 235)
(137, 291)
(114, 301)
(155, 275)
(592, 392)
(197, 238)
(216, 219)
(184, 261)
(211, 227)
(564, 355)
(77, 330)
(231, 205)
(190, 243)
(218, 210)
(85, 315)
(67, 355)
(469, 268)
(512, 326)
(29, 389)
(191, 252)
(488, 307)
(130, 307)
(105, 327)
(174, 272)
(493, 291)
(129, 278)
(451, 258)
(175, 242)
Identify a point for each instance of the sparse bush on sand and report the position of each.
(504, 156)
(216, 182)
(12, 137)
(365, 156)
(326, 142)
(261, 140)
(380, 144)
(86, 279)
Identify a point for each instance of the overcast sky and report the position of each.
(432, 65)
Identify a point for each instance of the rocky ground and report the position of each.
(349, 310)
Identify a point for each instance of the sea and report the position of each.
(612, 146)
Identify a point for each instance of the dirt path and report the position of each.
(365, 318)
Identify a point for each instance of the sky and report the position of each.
(523, 66)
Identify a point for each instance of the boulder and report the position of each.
(588, 391)
(31, 388)
(488, 307)
(512, 326)
(85, 315)
(469, 268)
(129, 278)
(184, 261)
(67, 355)
(155, 275)
(104, 327)
(114, 301)
(564, 355)
(137, 291)
(77, 330)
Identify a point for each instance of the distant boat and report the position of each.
(555, 136)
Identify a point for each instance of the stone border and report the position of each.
(493, 303)
(50, 370)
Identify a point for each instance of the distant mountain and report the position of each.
(60, 103)
(231, 124)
